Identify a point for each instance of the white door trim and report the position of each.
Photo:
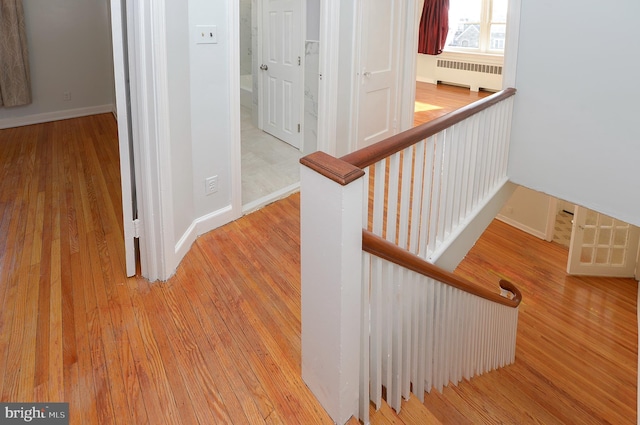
(258, 77)
(328, 83)
(150, 124)
(329, 69)
(120, 69)
(356, 77)
(408, 70)
(234, 116)
(638, 273)
(511, 48)
(552, 212)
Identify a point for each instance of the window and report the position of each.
(477, 25)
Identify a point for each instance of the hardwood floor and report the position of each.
(434, 100)
(220, 341)
(576, 353)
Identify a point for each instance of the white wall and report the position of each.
(530, 211)
(178, 58)
(575, 132)
(69, 51)
(246, 42)
(210, 107)
(202, 132)
(313, 20)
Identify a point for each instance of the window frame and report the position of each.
(484, 42)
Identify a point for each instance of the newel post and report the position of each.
(331, 257)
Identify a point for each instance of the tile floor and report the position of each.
(269, 165)
(562, 228)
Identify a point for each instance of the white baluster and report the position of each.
(375, 365)
(365, 347)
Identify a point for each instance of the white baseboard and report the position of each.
(184, 244)
(426, 80)
(55, 116)
(200, 226)
(523, 227)
(272, 197)
(221, 217)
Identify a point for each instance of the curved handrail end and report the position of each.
(513, 289)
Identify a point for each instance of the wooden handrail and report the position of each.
(370, 155)
(348, 168)
(332, 168)
(375, 245)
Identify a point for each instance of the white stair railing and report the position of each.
(428, 327)
(417, 190)
(434, 179)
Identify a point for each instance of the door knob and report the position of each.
(366, 74)
(264, 67)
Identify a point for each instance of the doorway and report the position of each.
(269, 164)
(596, 244)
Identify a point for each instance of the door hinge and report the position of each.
(137, 227)
(298, 60)
(298, 128)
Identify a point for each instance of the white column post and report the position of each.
(331, 256)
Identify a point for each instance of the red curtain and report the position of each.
(434, 26)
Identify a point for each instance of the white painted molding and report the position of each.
(150, 120)
(426, 80)
(512, 42)
(356, 68)
(234, 116)
(158, 43)
(260, 75)
(55, 116)
(408, 64)
(638, 270)
(527, 229)
(215, 219)
(328, 83)
(188, 238)
(202, 225)
(272, 197)
(552, 212)
(118, 29)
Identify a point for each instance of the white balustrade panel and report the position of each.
(421, 197)
(423, 334)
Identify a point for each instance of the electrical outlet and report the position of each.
(210, 185)
(66, 96)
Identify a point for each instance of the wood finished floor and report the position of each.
(220, 342)
(435, 100)
(577, 345)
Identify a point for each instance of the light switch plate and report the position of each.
(206, 34)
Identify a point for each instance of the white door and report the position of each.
(601, 245)
(281, 70)
(379, 76)
(118, 23)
